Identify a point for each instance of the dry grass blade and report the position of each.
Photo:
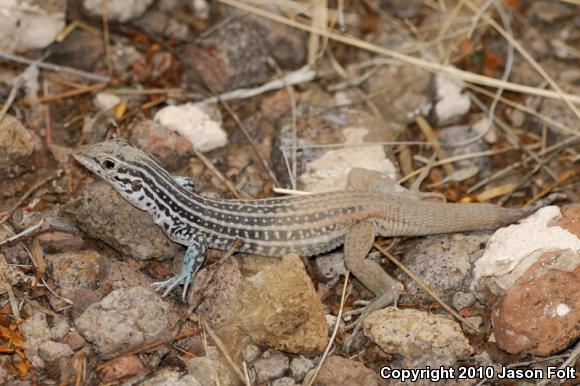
(527, 56)
(334, 332)
(428, 132)
(319, 21)
(429, 66)
(555, 124)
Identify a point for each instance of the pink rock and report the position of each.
(540, 314)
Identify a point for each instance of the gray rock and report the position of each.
(300, 366)
(284, 381)
(157, 22)
(271, 368)
(60, 327)
(461, 133)
(443, 262)
(171, 378)
(251, 352)
(17, 145)
(404, 9)
(127, 318)
(51, 351)
(103, 214)
(286, 45)
(463, 300)
(330, 265)
(230, 57)
(37, 332)
(205, 370)
(3, 375)
(413, 333)
(117, 10)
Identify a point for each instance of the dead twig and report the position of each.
(55, 67)
(567, 363)
(220, 345)
(71, 93)
(252, 142)
(426, 288)
(106, 37)
(514, 166)
(229, 185)
(37, 185)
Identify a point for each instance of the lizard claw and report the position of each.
(168, 285)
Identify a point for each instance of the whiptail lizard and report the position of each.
(307, 225)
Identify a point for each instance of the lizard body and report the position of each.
(307, 225)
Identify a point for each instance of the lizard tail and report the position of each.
(511, 215)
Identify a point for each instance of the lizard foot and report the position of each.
(168, 285)
(379, 302)
(193, 259)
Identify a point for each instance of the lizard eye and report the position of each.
(108, 164)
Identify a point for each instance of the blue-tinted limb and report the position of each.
(194, 257)
(185, 182)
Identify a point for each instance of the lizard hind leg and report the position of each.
(357, 245)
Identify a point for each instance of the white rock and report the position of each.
(106, 101)
(118, 10)
(451, 102)
(30, 24)
(195, 124)
(416, 333)
(201, 8)
(481, 126)
(329, 172)
(512, 250)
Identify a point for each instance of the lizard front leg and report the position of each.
(185, 182)
(194, 257)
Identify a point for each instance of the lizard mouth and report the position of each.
(81, 155)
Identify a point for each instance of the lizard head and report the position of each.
(128, 169)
